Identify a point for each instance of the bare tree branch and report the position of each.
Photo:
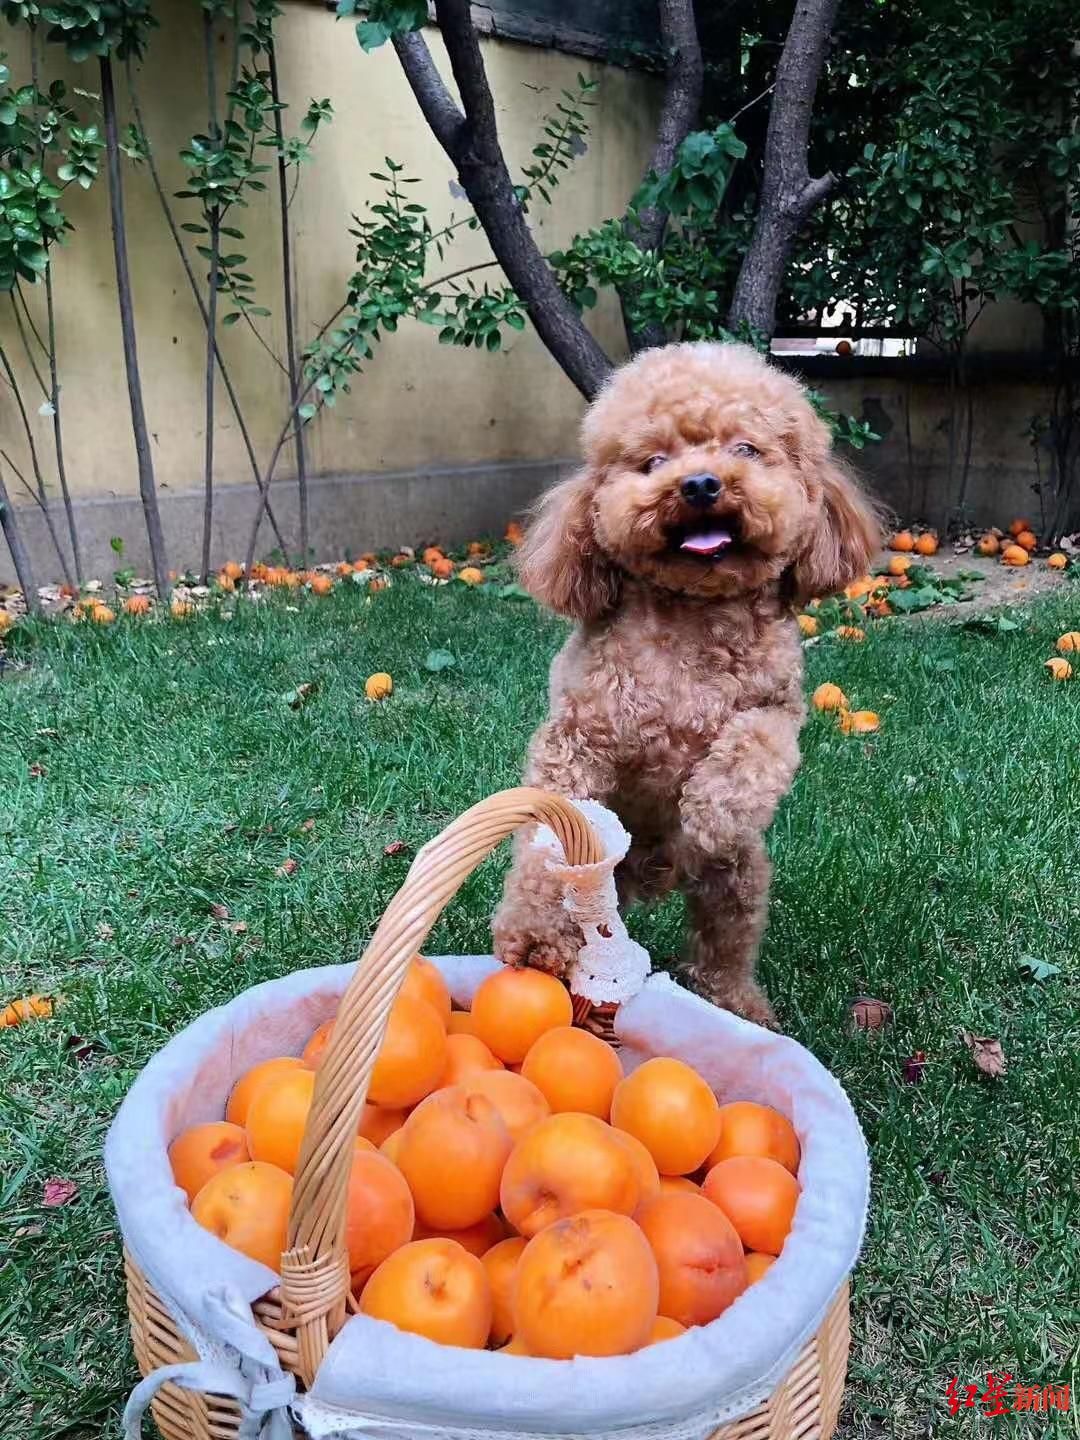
(788, 194)
(678, 115)
(20, 556)
(471, 141)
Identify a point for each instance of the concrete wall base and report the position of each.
(348, 514)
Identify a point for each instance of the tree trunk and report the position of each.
(788, 194)
(290, 331)
(678, 115)
(20, 557)
(211, 311)
(471, 141)
(42, 495)
(147, 489)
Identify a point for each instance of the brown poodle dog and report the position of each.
(709, 506)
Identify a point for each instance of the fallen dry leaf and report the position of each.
(81, 1048)
(37, 770)
(870, 1014)
(179, 942)
(396, 847)
(27, 1232)
(57, 1192)
(219, 912)
(239, 927)
(987, 1053)
(913, 1067)
(287, 869)
(105, 931)
(308, 825)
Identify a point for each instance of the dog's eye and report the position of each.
(653, 462)
(745, 450)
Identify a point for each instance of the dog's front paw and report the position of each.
(742, 997)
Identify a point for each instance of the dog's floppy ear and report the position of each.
(844, 538)
(559, 561)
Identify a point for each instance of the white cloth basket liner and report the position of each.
(378, 1381)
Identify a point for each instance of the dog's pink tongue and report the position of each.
(706, 542)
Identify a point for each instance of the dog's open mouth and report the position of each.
(708, 540)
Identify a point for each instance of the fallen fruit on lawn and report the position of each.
(202, 1150)
(378, 686)
(1027, 539)
(137, 605)
(344, 568)
(859, 722)
(247, 1206)
(452, 1152)
(29, 1007)
(758, 1196)
(587, 1285)
(514, 533)
(750, 1129)
(927, 543)
(808, 625)
(433, 1288)
(563, 1165)
(1057, 561)
(321, 585)
(181, 609)
(1019, 526)
(903, 541)
(670, 1109)
(1059, 669)
(1014, 555)
(899, 564)
(441, 568)
(988, 545)
(512, 1008)
(412, 1057)
(277, 1115)
(573, 1070)
(379, 1213)
(432, 554)
(233, 569)
(829, 697)
(102, 615)
(240, 1099)
(501, 1263)
(757, 1264)
(470, 575)
(517, 1100)
(1068, 642)
(699, 1257)
(851, 633)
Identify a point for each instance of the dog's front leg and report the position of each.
(726, 806)
(531, 926)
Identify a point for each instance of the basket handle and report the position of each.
(315, 1274)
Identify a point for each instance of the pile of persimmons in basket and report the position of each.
(511, 1188)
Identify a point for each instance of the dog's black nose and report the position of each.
(700, 490)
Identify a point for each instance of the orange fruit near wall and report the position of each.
(988, 545)
(750, 1129)
(247, 1206)
(586, 1285)
(466, 1056)
(903, 540)
(513, 1008)
(412, 1057)
(563, 1165)
(432, 1288)
(424, 981)
(672, 1111)
(245, 1087)
(452, 1152)
(202, 1150)
(899, 564)
(1028, 539)
(501, 1263)
(574, 1070)
(758, 1196)
(698, 1255)
(1019, 526)
(379, 1214)
(277, 1115)
(517, 1100)
(1014, 555)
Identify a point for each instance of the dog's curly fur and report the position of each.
(677, 701)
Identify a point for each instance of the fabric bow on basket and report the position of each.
(610, 967)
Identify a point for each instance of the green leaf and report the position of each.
(439, 660)
(371, 35)
(193, 229)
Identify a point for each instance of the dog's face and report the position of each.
(707, 474)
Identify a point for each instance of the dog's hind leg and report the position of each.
(727, 906)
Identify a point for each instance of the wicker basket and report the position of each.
(301, 1316)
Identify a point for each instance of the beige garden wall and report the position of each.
(419, 410)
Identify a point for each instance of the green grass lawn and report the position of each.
(920, 865)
